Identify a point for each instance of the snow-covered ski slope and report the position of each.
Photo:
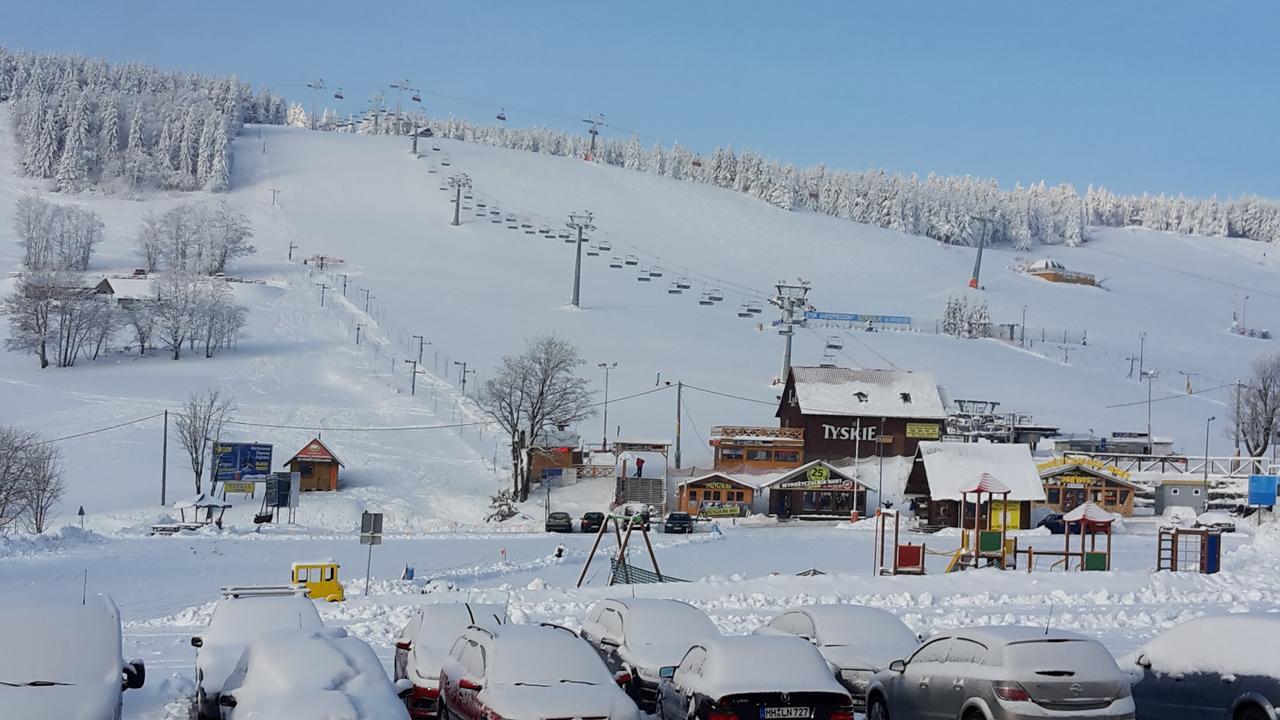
(476, 290)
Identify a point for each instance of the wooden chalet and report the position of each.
(847, 413)
(942, 469)
(715, 494)
(817, 490)
(741, 448)
(1072, 481)
(316, 466)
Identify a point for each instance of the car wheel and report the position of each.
(877, 709)
(1250, 711)
(974, 714)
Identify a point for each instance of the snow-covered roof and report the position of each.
(655, 620)
(832, 476)
(1046, 264)
(1089, 512)
(543, 655)
(736, 479)
(238, 621)
(867, 393)
(200, 501)
(954, 467)
(734, 663)
(130, 288)
(839, 624)
(1243, 644)
(316, 451)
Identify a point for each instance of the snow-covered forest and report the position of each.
(83, 122)
(951, 209)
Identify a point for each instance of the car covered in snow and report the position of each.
(640, 636)
(239, 618)
(64, 662)
(1225, 666)
(529, 672)
(857, 641)
(1216, 520)
(752, 677)
(315, 674)
(424, 643)
(1003, 673)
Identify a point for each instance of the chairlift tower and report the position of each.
(580, 222)
(982, 242)
(400, 87)
(792, 298)
(458, 183)
(316, 86)
(596, 122)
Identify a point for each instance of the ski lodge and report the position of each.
(317, 467)
(857, 413)
(941, 469)
(1072, 481)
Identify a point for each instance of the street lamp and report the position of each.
(464, 374)
(604, 436)
(1150, 375)
(1206, 460)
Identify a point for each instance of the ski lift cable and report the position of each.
(687, 386)
(1172, 397)
(868, 348)
(117, 426)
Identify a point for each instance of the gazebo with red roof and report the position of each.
(317, 467)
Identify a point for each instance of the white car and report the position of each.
(318, 674)
(238, 619)
(424, 642)
(529, 672)
(64, 662)
(640, 636)
(857, 641)
(752, 676)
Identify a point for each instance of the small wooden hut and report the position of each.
(316, 466)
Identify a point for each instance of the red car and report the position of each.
(423, 647)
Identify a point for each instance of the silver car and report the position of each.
(1002, 673)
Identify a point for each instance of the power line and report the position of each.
(1170, 397)
(100, 430)
(693, 422)
(393, 428)
(636, 395)
(729, 395)
(1188, 273)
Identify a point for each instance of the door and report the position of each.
(675, 703)
(958, 681)
(1158, 697)
(918, 684)
(466, 703)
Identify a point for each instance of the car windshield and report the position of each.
(669, 622)
(559, 516)
(678, 516)
(239, 621)
(546, 658)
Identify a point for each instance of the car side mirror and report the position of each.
(404, 688)
(404, 645)
(667, 672)
(227, 701)
(1144, 662)
(197, 641)
(898, 666)
(622, 677)
(466, 684)
(135, 675)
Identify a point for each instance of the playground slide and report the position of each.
(954, 564)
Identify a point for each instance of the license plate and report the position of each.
(786, 712)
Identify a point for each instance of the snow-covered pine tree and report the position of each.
(73, 168)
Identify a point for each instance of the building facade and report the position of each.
(1070, 482)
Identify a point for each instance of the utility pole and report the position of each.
(420, 340)
(1187, 376)
(316, 86)
(358, 328)
(344, 283)
(580, 222)
(323, 288)
(458, 183)
(1142, 355)
(164, 461)
(1022, 329)
(413, 379)
(791, 298)
(604, 436)
(1132, 359)
(367, 295)
(679, 417)
(595, 122)
(982, 242)
(1150, 376)
(1206, 460)
(274, 192)
(292, 246)
(463, 376)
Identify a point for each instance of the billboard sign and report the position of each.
(234, 462)
(283, 489)
(1262, 490)
(858, 318)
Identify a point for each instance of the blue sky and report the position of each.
(1167, 96)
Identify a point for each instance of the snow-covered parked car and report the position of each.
(1225, 666)
(640, 636)
(317, 674)
(529, 672)
(857, 641)
(64, 662)
(1216, 520)
(424, 643)
(752, 676)
(1003, 673)
(239, 618)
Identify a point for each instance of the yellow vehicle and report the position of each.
(320, 579)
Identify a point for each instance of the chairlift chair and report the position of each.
(481, 214)
(512, 223)
(605, 246)
(593, 251)
(481, 204)
(338, 95)
(494, 211)
(715, 294)
(655, 272)
(786, 330)
(697, 161)
(834, 343)
(631, 260)
(683, 283)
(754, 307)
(569, 239)
(468, 196)
(616, 263)
(502, 114)
(643, 277)
(495, 218)
(445, 162)
(466, 206)
(704, 300)
(743, 312)
(564, 235)
(545, 230)
(674, 290)
(432, 170)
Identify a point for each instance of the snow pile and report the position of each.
(60, 540)
(1243, 644)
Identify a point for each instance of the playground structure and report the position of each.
(981, 545)
(619, 569)
(205, 510)
(1189, 549)
(906, 559)
(1091, 522)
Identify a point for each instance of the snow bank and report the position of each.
(60, 540)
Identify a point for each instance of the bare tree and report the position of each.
(1255, 406)
(31, 309)
(531, 390)
(199, 424)
(16, 447)
(174, 311)
(45, 486)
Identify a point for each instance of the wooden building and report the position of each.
(846, 413)
(555, 448)
(715, 494)
(317, 467)
(942, 469)
(740, 448)
(1072, 481)
(816, 490)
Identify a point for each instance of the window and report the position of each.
(738, 495)
(906, 398)
(1173, 491)
(1055, 495)
(935, 651)
(1123, 496)
(693, 496)
(692, 662)
(307, 469)
(759, 455)
(786, 455)
(1195, 491)
(715, 494)
(966, 651)
(731, 453)
(795, 623)
(611, 621)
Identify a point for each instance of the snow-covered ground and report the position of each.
(477, 290)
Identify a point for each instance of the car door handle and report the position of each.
(958, 685)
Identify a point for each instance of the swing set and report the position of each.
(619, 569)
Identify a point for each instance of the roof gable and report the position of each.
(865, 393)
(952, 468)
(316, 451)
(814, 475)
